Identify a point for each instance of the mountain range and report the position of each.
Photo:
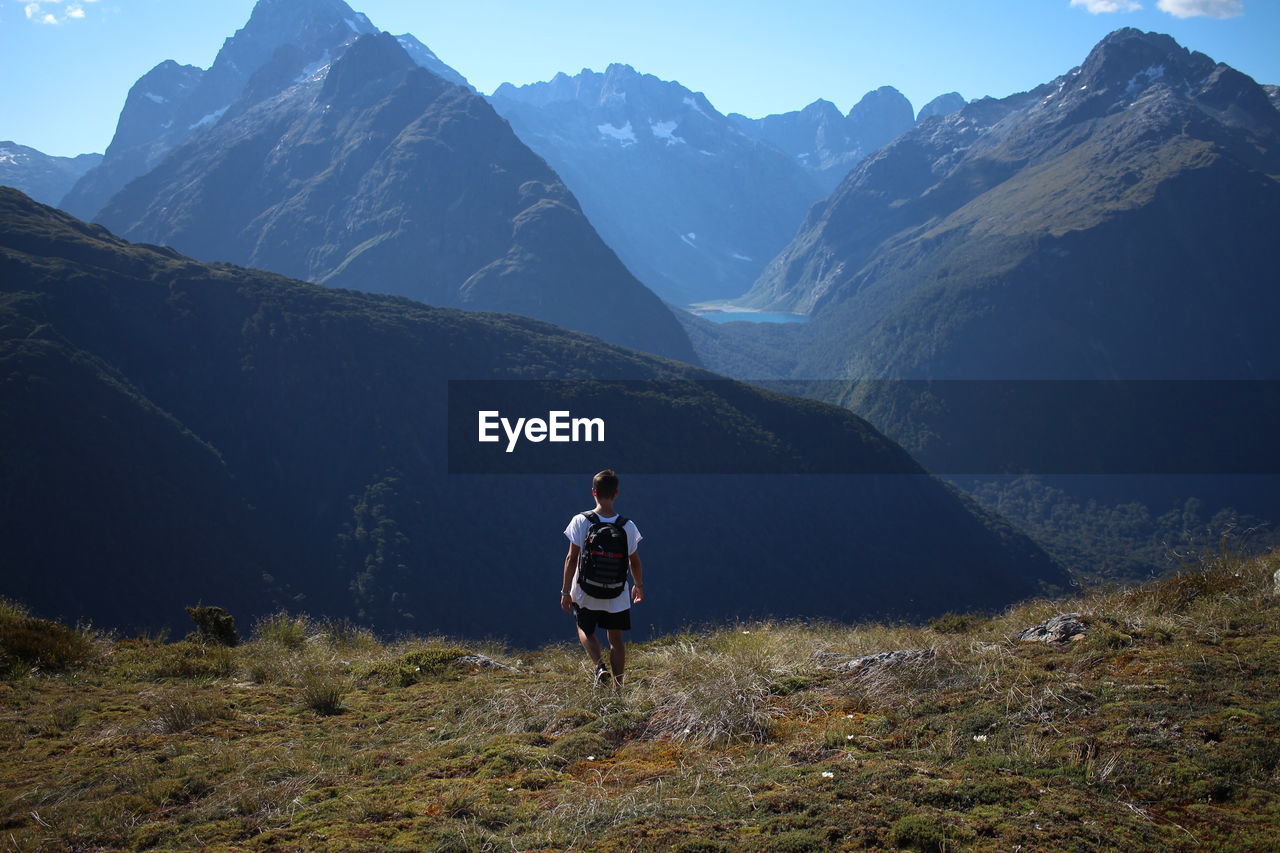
(694, 207)
(342, 160)
(41, 176)
(1047, 236)
(828, 144)
(174, 431)
(693, 201)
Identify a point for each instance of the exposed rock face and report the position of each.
(43, 177)
(1065, 627)
(828, 144)
(693, 206)
(870, 663)
(942, 105)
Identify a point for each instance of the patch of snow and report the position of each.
(1147, 75)
(623, 134)
(665, 130)
(691, 102)
(316, 69)
(209, 119)
(6, 156)
(156, 99)
(354, 27)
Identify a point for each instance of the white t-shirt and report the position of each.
(576, 533)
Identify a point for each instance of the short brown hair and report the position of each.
(605, 484)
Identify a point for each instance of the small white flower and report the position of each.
(848, 716)
(686, 731)
(746, 632)
(511, 789)
(848, 737)
(827, 774)
(980, 738)
(591, 758)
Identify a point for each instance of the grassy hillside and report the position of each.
(1158, 730)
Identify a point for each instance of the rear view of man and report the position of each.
(602, 550)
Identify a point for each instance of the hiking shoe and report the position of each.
(602, 675)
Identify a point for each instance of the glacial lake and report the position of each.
(750, 316)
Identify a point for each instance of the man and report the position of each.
(602, 548)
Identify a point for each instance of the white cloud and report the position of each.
(54, 11)
(1205, 8)
(1098, 7)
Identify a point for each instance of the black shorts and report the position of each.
(589, 620)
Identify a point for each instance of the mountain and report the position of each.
(827, 144)
(374, 174)
(172, 101)
(41, 176)
(172, 431)
(692, 206)
(1111, 223)
(941, 106)
(1273, 92)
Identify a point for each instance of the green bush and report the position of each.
(414, 666)
(955, 623)
(579, 745)
(27, 643)
(214, 625)
(184, 659)
(917, 832)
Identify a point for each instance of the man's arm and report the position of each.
(570, 563)
(637, 579)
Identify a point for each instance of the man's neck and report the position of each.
(605, 509)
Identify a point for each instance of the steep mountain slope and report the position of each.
(172, 431)
(41, 176)
(172, 101)
(691, 205)
(941, 106)
(1112, 223)
(377, 175)
(827, 144)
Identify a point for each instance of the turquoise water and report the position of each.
(752, 317)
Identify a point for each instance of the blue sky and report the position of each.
(68, 64)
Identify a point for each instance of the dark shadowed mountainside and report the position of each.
(174, 431)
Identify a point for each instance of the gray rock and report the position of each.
(1275, 580)
(484, 663)
(1065, 627)
(898, 657)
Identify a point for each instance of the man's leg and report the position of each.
(591, 644)
(617, 655)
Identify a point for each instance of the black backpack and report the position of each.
(603, 563)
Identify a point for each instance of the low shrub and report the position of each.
(214, 625)
(917, 832)
(28, 643)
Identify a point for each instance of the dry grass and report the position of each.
(1158, 731)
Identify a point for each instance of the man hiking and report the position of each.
(602, 548)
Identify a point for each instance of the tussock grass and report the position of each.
(1157, 731)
